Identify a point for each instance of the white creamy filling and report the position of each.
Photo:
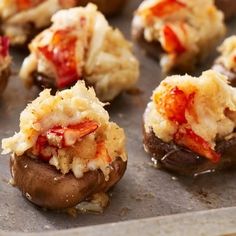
(114, 68)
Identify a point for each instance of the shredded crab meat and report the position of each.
(55, 138)
(5, 58)
(181, 27)
(4, 46)
(173, 104)
(61, 52)
(92, 50)
(193, 112)
(71, 131)
(172, 43)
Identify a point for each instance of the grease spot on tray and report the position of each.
(124, 211)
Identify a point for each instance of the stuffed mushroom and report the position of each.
(226, 63)
(5, 62)
(228, 7)
(180, 33)
(67, 151)
(21, 20)
(190, 124)
(80, 45)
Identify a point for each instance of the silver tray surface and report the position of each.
(144, 191)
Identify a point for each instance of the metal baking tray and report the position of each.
(144, 191)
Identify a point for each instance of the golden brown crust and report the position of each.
(185, 162)
(45, 186)
(228, 7)
(5, 74)
(107, 7)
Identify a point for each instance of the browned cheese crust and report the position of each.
(107, 7)
(4, 75)
(228, 7)
(185, 162)
(46, 187)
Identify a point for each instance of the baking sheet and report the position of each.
(143, 192)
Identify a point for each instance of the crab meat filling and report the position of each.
(5, 58)
(174, 104)
(70, 131)
(193, 112)
(61, 53)
(81, 45)
(61, 137)
(4, 46)
(182, 29)
(74, 143)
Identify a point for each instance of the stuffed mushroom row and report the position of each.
(22, 19)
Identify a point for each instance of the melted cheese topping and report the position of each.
(104, 57)
(183, 32)
(16, 24)
(214, 107)
(228, 53)
(66, 108)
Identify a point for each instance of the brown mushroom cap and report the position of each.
(183, 161)
(45, 186)
(43, 81)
